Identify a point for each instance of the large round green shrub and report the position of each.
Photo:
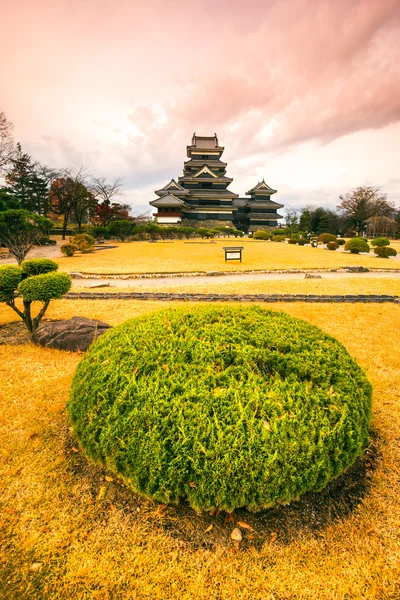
(221, 406)
(356, 245)
(385, 251)
(45, 287)
(380, 242)
(38, 266)
(10, 276)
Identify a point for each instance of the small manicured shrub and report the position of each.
(84, 242)
(380, 242)
(356, 245)
(303, 242)
(37, 266)
(222, 406)
(261, 235)
(69, 249)
(32, 287)
(45, 287)
(332, 246)
(340, 241)
(293, 241)
(10, 277)
(385, 251)
(100, 232)
(325, 238)
(278, 238)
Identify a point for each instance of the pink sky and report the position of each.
(305, 93)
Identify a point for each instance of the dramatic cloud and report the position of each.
(121, 86)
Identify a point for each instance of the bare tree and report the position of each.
(104, 192)
(70, 196)
(6, 140)
(291, 217)
(364, 202)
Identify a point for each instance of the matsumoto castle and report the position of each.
(200, 197)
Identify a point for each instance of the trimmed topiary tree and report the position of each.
(340, 241)
(380, 242)
(222, 406)
(325, 238)
(356, 245)
(37, 266)
(385, 251)
(37, 282)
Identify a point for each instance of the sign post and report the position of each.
(233, 253)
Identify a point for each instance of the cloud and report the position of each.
(121, 86)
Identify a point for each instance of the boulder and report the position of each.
(311, 276)
(74, 334)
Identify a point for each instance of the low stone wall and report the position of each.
(374, 298)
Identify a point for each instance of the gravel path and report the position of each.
(236, 277)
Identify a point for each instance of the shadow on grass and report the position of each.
(283, 524)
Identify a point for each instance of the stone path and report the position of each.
(232, 278)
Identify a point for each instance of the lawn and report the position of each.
(181, 256)
(59, 541)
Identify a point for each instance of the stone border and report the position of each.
(349, 269)
(229, 297)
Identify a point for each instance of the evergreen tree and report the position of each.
(29, 182)
(305, 220)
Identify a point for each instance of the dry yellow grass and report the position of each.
(341, 285)
(59, 542)
(145, 257)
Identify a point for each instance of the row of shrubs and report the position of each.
(355, 245)
(124, 230)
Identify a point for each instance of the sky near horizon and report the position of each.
(303, 93)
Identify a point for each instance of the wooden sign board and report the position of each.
(233, 253)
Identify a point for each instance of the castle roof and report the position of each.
(169, 201)
(261, 187)
(205, 144)
(172, 188)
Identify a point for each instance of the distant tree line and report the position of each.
(66, 196)
(363, 210)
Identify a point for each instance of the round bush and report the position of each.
(10, 276)
(325, 238)
(340, 241)
(278, 238)
(45, 287)
(356, 245)
(223, 407)
(385, 251)
(293, 241)
(261, 235)
(37, 266)
(380, 242)
(69, 249)
(332, 246)
(303, 242)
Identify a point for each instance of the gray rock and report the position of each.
(76, 275)
(311, 276)
(75, 334)
(356, 269)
